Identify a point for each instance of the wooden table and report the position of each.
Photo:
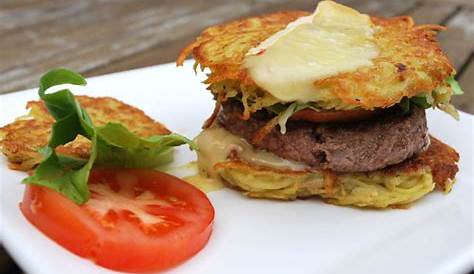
(101, 36)
(97, 37)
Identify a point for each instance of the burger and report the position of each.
(329, 104)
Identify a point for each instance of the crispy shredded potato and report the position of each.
(394, 186)
(410, 62)
(20, 140)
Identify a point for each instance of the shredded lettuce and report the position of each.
(277, 108)
(112, 144)
(438, 98)
(285, 112)
(285, 115)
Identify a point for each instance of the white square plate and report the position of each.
(259, 236)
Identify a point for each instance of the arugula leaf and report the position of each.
(70, 122)
(112, 144)
(119, 147)
(457, 90)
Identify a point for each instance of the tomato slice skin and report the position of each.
(333, 116)
(124, 239)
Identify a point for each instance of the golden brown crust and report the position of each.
(439, 158)
(20, 140)
(410, 61)
(222, 47)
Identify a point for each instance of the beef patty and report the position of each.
(369, 145)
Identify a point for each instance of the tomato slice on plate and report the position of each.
(136, 220)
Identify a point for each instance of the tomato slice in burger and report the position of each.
(136, 220)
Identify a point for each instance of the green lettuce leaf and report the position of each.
(457, 90)
(112, 144)
(420, 101)
(405, 105)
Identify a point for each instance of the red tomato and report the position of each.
(136, 220)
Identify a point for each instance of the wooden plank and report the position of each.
(98, 24)
(95, 45)
(466, 80)
(378, 8)
(167, 52)
(384, 8)
(429, 13)
(15, 4)
(119, 35)
(49, 44)
(25, 13)
(455, 2)
(458, 40)
(267, 6)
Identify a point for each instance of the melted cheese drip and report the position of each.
(333, 40)
(189, 172)
(215, 145)
(204, 183)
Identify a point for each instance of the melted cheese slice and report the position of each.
(333, 40)
(216, 144)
